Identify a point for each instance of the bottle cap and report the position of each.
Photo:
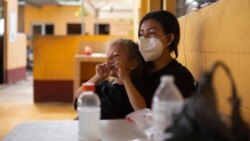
(88, 86)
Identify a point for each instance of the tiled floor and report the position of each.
(16, 106)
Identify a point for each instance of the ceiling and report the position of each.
(106, 8)
(121, 9)
(42, 2)
(102, 4)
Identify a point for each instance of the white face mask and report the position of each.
(150, 48)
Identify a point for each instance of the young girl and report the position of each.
(123, 95)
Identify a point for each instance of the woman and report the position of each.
(159, 35)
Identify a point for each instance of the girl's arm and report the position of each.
(102, 72)
(135, 98)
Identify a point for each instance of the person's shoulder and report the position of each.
(104, 87)
(177, 66)
(103, 84)
(109, 85)
(177, 70)
(175, 63)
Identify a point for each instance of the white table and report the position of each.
(111, 130)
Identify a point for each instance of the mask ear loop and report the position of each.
(171, 38)
(169, 43)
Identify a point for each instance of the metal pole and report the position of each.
(82, 17)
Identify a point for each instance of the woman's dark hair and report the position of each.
(169, 24)
(134, 55)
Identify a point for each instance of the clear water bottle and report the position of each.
(166, 100)
(89, 114)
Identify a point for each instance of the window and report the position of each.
(42, 29)
(102, 29)
(49, 29)
(37, 30)
(74, 29)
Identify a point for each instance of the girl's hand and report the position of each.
(122, 71)
(102, 70)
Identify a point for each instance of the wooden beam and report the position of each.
(154, 5)
(169, 5)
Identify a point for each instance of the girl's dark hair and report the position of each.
(134, 55)
(169, 24)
